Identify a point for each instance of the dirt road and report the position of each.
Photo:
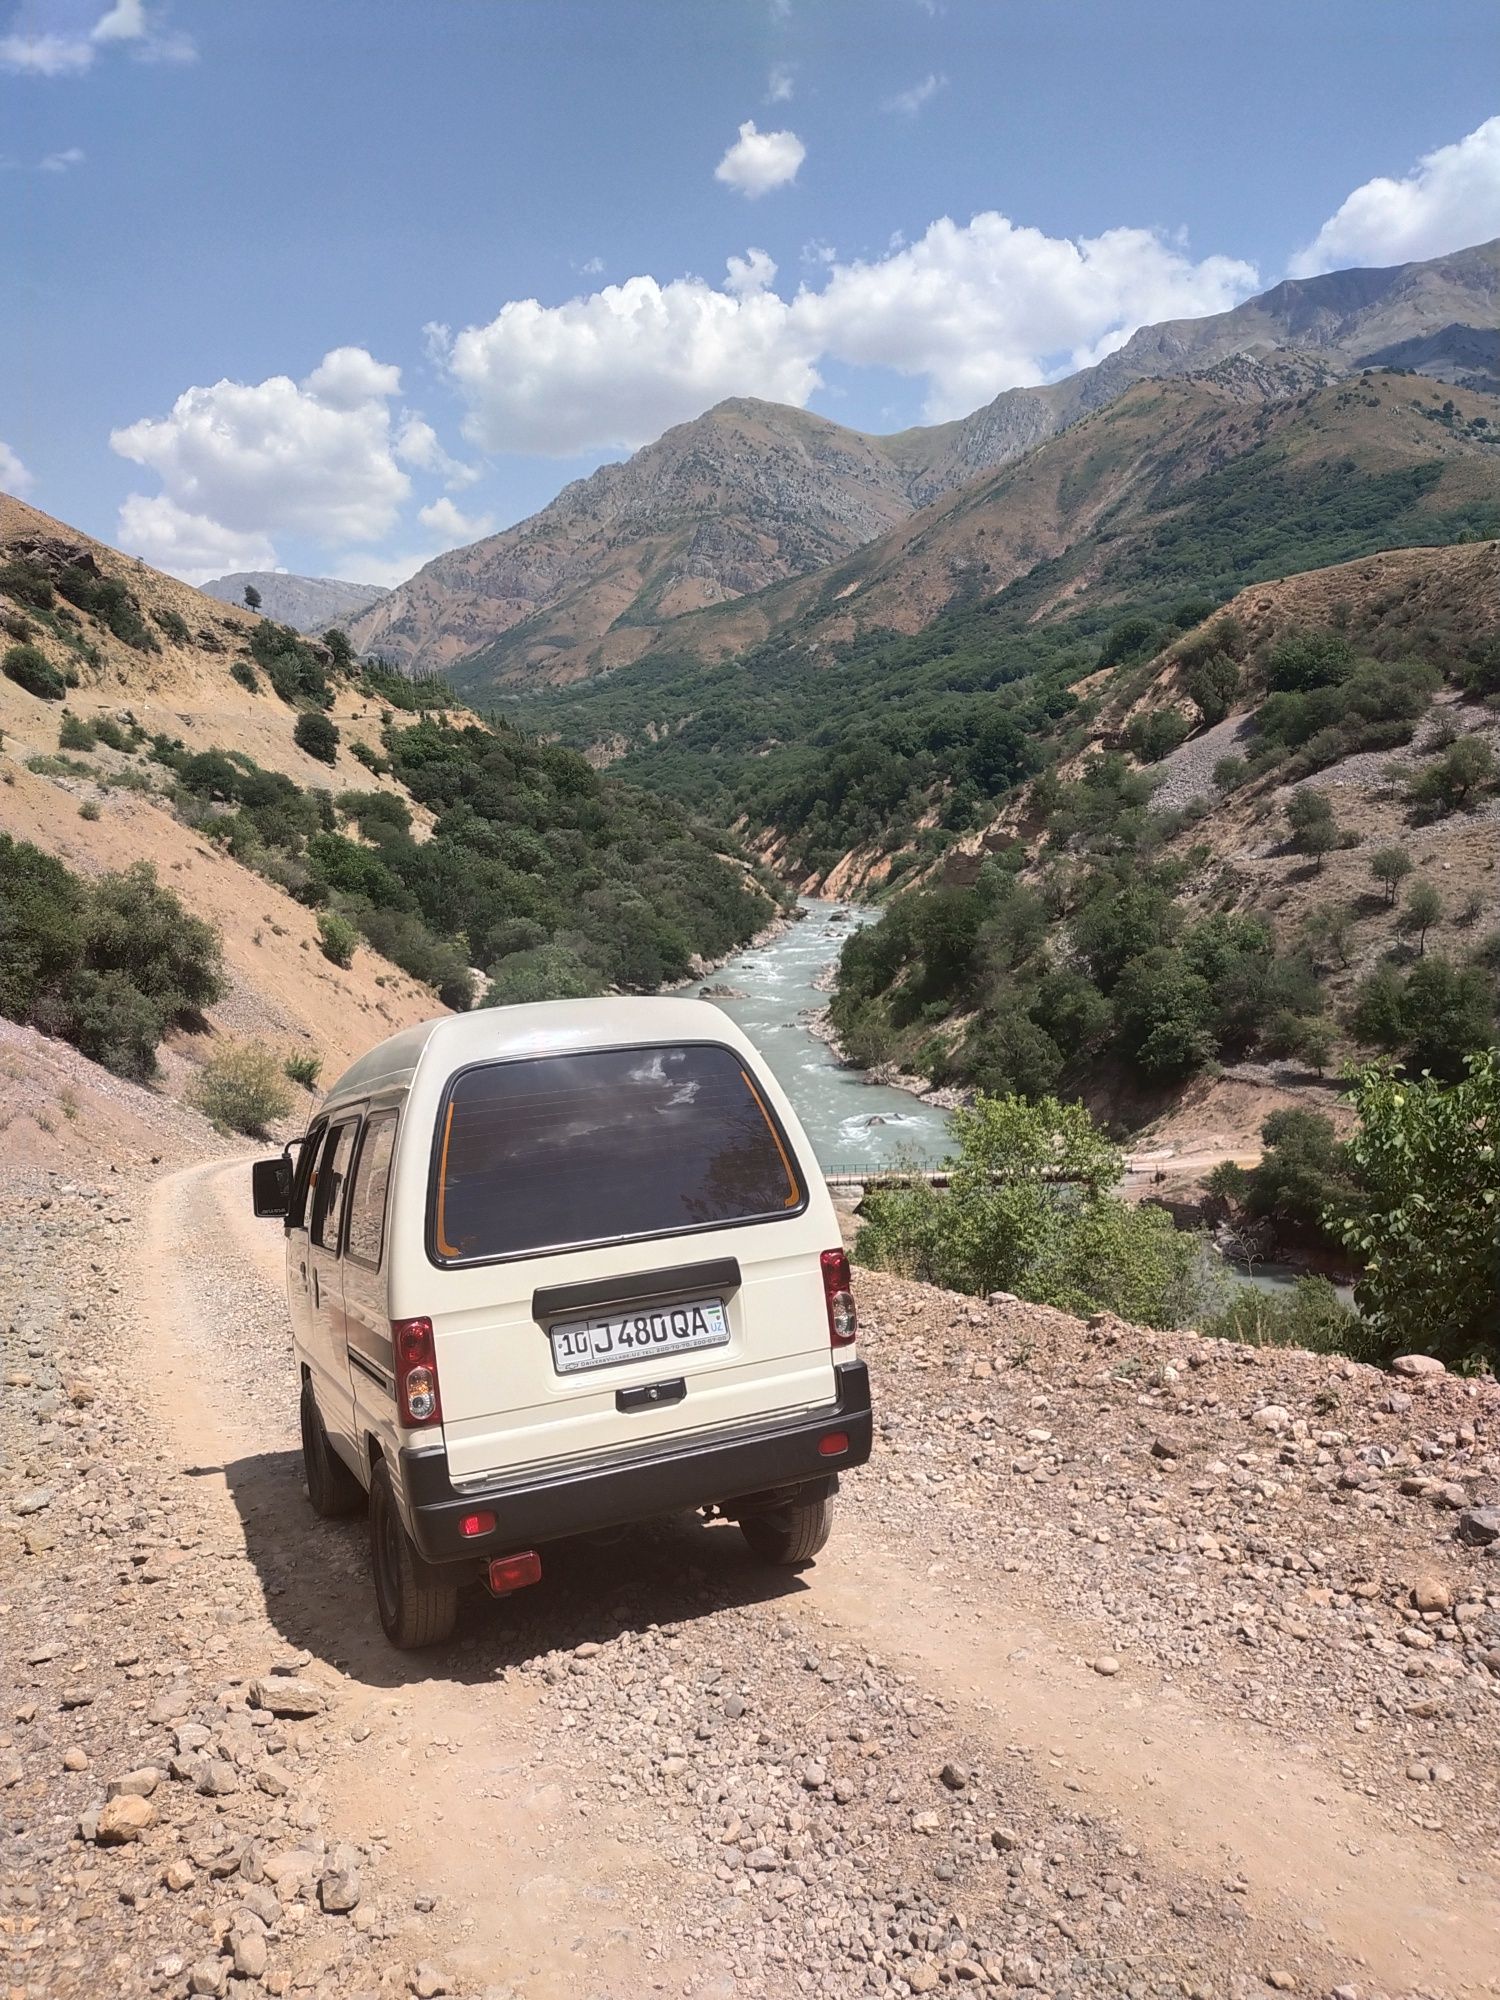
(1009, 1732)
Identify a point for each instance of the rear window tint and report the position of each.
(561, 1151)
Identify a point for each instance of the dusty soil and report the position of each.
(1110, 1683)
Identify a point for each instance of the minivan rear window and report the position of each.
(557, 1152)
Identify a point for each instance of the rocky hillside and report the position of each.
(306, 603)
(1270, 841)
(719, 508)
(752, 495)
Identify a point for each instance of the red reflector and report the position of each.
(509, 1573)
(476, 1524)
(833, 1444)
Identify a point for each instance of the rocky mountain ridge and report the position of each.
(751, 495)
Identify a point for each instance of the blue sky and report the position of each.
(333, 286)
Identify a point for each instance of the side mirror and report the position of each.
(271, 1186)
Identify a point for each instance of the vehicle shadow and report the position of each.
(315, 1576)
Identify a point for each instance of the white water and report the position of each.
(854, 1126)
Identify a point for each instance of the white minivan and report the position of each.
(560, 1268)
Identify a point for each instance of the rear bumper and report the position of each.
(670, 1478)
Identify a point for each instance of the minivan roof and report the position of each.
(544, 1027)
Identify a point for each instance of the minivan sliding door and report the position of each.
(326, 1352)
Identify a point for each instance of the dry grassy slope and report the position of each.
(281, 987)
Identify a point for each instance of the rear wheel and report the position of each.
(331, 1486)
(791, 1535)
(418, 1604)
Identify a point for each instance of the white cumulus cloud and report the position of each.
(253, 459)
(189, 545)
(63, 162)
(620, 365)
(985, 306)
(757, 162)
(780, 84)
(451, 525)
(1449, 200)
(30, 49)
(14, 477)
(909, 102)
(417, 445)
(970, 309)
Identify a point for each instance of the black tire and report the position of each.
(792, 1535)
(331, 1486)
(418, 1604)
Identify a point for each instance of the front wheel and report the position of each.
(418, 1604)
(331, 1487)
(792, 1535)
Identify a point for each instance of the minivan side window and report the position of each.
(604, 1146)
(366, 1238)
(333, 1177)
(302, 1179)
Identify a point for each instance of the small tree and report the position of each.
(1314, 830)
(1451, 780)
(341, 652)
(252, 597)
(1390, 866)
(1426, 1161)
(1421, 910)
(315, 734)
(1326, 929)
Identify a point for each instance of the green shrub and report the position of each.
(112, 1022)
(245, 674)
(1154, 736)
(89, 809)
(316, 735)
(30, 669)
(137, 928)
(1452, 780)
(1029, 1210)
(42, 907)
(1433, 1016)
(1211, 685)
(550, 972)
(304, 1068)
(371, 759)
(174, 625)
(241, 1089)
(337, 937)
(1426, 1159)
(1230, 773)
(1311, 1316)
(27, 583)
(73, 733)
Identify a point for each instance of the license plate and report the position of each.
(644, 1333)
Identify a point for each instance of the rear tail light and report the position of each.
(833, 1443)
(482, 1523)
(417, 1399)
(843, 1320)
